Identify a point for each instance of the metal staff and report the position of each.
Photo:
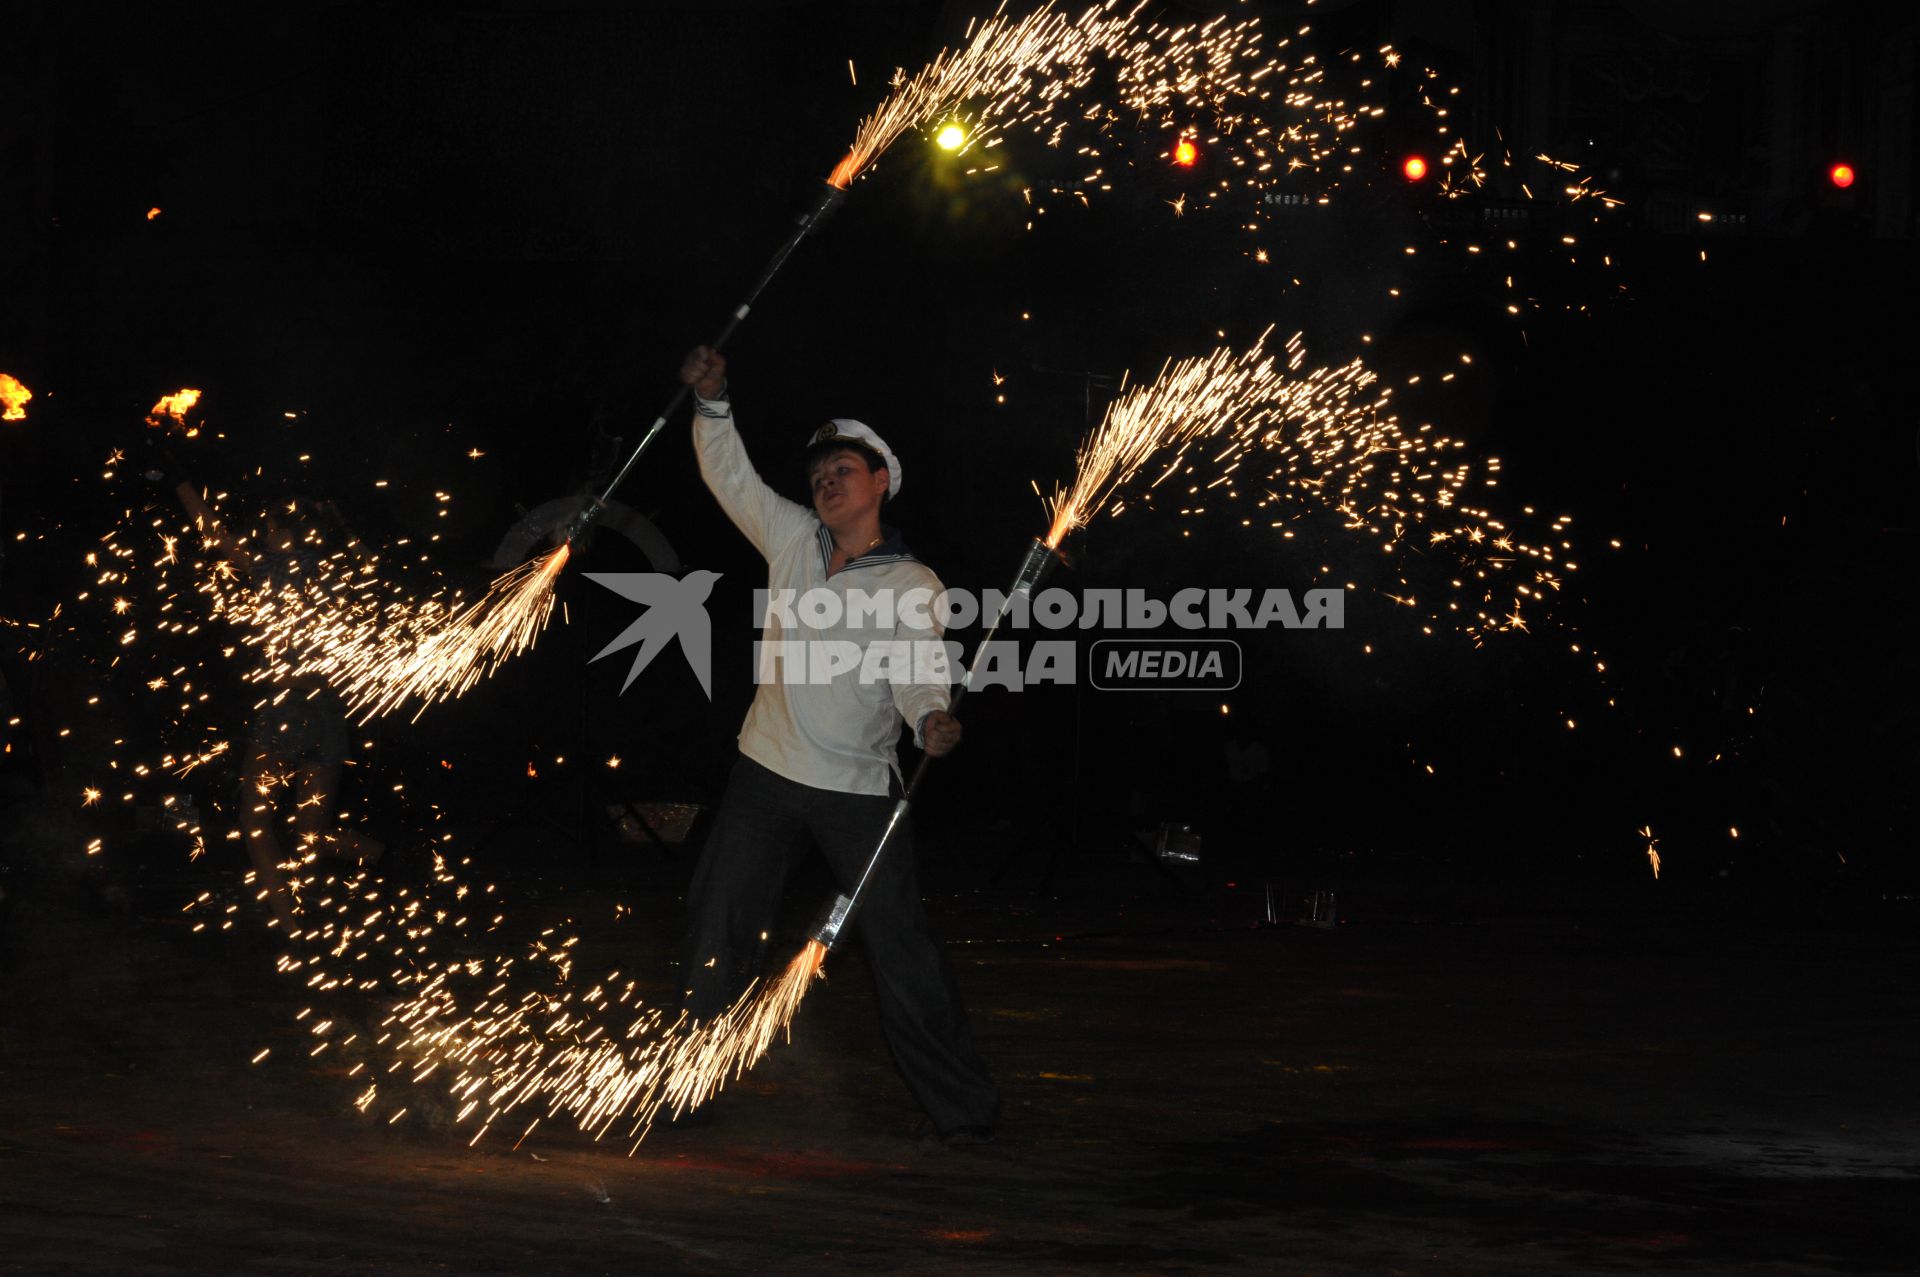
(834, 921)
(808, 219)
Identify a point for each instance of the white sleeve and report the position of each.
(929, 687)
(768, 519)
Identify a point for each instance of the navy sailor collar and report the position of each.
(892, 549)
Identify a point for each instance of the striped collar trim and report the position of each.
(892, 549)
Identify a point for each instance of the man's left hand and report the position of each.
(941, 731)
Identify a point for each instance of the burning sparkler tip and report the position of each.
(13, 398)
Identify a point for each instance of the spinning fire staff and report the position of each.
(1016, 72)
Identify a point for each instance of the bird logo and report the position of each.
(676, 609)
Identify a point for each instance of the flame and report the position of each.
(174, 408)
(13, 398)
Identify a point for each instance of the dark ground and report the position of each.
(1477, 1082)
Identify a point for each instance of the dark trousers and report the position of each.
(760, 831)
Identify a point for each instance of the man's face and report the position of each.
(844, 490)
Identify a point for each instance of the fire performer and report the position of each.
(818, 757)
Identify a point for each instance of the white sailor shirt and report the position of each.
(839, 734)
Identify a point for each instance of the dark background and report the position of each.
(427, 229)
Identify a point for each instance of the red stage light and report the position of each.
(1841, 175)
(1415, 168)
(1185, 152)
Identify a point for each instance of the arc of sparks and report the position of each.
(1019, 67)
(1023, 71)
(449, 660)
(1187, 400)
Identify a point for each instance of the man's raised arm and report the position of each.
(768, 519)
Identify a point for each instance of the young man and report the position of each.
(818, 753)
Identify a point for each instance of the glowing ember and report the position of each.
(13, 398)
(173, 409)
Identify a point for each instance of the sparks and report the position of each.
(700, 1063)
(382, 653)
(448, 660)
(1248, 397)
(1005, 61)
(1024, 71)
